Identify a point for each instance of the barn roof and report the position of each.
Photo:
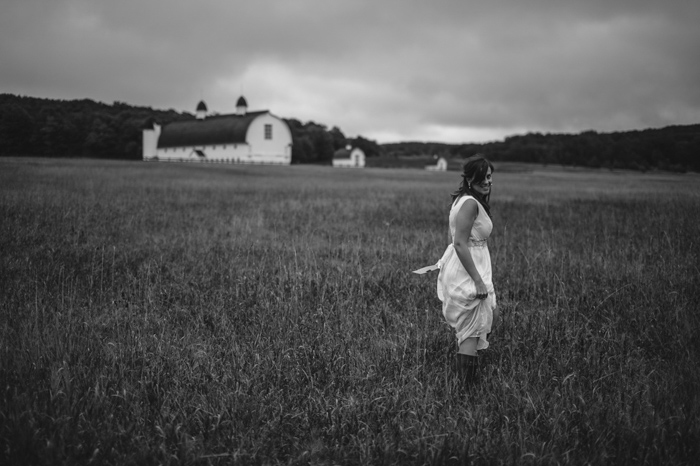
(221, 129)
(342, 153)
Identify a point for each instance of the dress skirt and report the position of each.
(470, 317)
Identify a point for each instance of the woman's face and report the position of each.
(484, 187)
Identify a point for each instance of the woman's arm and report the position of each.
(463, 227)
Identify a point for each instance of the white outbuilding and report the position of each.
(349, 157)
(440, 165)
(242, 137)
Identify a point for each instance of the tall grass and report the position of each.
(198, 314)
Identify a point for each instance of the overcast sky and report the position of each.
(389, 70)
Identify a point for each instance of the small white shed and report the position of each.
(440, 166)
(349, 157)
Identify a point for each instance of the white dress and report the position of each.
(469, 316)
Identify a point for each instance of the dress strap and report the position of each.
(461, 200)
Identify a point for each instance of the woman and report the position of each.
(464, 283)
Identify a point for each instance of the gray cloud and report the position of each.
(390, 69)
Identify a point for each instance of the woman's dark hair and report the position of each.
(474, 171)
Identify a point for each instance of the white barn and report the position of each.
(349, 157)
(243, 137)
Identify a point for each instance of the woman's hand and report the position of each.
(481, 291)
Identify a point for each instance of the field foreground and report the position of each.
(203, 314)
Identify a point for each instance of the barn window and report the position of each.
(268, 131)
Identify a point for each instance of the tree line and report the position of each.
(673, 148)
(31, 126)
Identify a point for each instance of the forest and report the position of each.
(31, 126)
(673, 148)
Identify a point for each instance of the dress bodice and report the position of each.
(481, 229)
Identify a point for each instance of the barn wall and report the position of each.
(278, 148)
(150, 142)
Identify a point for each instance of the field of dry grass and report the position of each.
(208, 314)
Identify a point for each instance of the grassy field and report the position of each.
(210, 314)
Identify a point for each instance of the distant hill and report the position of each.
(31, 126)
(674, 148)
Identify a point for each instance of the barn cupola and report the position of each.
(241, 106)
(201, 110)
